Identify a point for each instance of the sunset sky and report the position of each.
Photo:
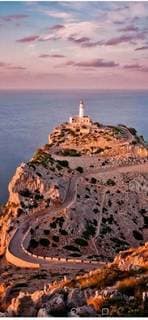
(60, 45)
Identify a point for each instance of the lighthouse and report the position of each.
(81, 109)
(80, 120)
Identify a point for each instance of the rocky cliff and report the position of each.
(35, 185)
(117, 289)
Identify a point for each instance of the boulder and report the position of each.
(76, 298)
(22, 305)
(86, 311)
(3, 314)
(56, 305)
(42, 313)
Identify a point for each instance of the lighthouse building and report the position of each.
(80, 119)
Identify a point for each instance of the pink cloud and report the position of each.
(14, 17)
(84, 41)
(125, 38)
(51, 56)
(129, 28)
(136, 67)
(57, 27)
(142, 48)
(28, 39)
(95, 63)
(9, 66)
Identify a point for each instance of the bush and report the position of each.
(55, 238)
(63, 163)
(53, 225)
(63, 232)
(33, 243)
(71, 248)
(71, 153)
(93, 180)
(110, 182)
(137, 235)
(80, 169)
(132, 131)
(25, 193)
(38, 196)
(81, 242)
(44, 242)
(46, 232)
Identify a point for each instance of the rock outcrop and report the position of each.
(112, 290)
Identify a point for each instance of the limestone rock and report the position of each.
(133, 258)
(56, 305)
(86, 311)
(76, 298)
(42, 313)
(22, 305)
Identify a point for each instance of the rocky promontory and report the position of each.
(95, 178)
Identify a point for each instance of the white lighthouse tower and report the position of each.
(81, 109)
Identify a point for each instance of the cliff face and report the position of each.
(33, 187)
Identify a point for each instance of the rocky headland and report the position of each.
(82, 198)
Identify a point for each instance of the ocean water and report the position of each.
(27, 117)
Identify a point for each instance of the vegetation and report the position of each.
(71, 152)
(80, 169)
(63, 163)
(137, 235)
(81, 242)
(44, 242)
(33, 243)
(110, 182)
(71, 248)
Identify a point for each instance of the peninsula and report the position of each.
(78, 202)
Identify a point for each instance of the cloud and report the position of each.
(142, 48)
(136, 67)
(28, 39)
(95, 63)
(129, 28)
(83, 41)
(125, 38)
(14, 17)
(9, 66)
(51, 56)
(66, 16)
(57, 27)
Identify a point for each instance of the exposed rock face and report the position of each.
(56, 305)
(76, 298)
(42, 313)
(133, 258)
(22, 306)
(120, 289)
(32, 188)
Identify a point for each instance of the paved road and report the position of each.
(15, 244)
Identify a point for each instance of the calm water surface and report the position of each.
(27, 117)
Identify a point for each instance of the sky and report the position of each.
(73, 45)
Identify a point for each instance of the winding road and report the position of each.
(16, 252)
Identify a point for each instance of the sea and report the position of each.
(27, 117)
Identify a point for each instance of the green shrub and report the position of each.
(93, 180)
(80, 169)
(55, 238)
(71, 248)
(33, 243)
(63, 163)
(137, 235)
(81, 242)
(44, 242)
(110, 182)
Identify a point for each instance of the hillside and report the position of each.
(74, 206)
(117, 289)
(109, 212)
